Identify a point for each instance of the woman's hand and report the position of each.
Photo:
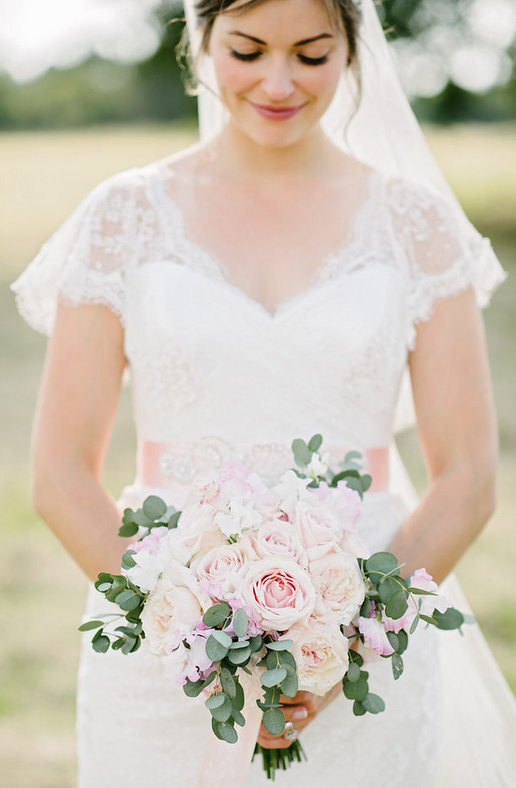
(300, 710)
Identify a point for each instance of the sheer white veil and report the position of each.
(383, 133)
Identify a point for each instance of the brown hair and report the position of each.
(345, 16)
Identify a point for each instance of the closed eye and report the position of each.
(250, 56)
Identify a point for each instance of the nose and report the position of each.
(277, 82)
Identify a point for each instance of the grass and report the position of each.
(42, 178)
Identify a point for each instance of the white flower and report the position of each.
(318, 465)
(173, 607)
(237, 519)
(339, 585)
(153, 554)
(290, 490)
(321, 654)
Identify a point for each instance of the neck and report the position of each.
(239, 156)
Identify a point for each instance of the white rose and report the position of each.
(172, 609)
(321, 654)
(338, 582)
(197, 528)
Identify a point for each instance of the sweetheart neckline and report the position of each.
(214, 268)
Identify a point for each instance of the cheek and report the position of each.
(232, 75)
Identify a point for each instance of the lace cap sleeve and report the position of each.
(445, 255)
(85, 260)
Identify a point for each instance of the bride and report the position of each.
(266, 284)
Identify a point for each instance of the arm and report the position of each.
(457, 430)
(74, 420)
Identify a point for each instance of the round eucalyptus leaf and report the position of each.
(274, 721)
(240, 622)
(228, 732)
(217, 614)
(397, 605)
(215, 650)
(273, 677)
(280, 645)
(223, 638)
(154, 507)
(353, 672)
(373, 704)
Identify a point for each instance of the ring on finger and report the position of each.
(290, 733)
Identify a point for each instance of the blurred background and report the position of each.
(92, 87)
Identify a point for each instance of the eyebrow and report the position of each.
(297, 44)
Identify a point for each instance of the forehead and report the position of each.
(278, 20)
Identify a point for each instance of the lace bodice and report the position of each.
(206, 359)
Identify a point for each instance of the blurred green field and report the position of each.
(42, 178)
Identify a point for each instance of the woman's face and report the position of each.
(277, 67)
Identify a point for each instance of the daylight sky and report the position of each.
(38, 34)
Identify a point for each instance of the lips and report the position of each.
(276, 113)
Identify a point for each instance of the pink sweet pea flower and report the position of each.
(375, 635)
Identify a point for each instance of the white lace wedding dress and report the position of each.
(215, 375)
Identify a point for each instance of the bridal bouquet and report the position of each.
(272, 581)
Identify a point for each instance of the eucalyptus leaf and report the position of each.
(397, 666)
(215, 650)
(154, 507)
(353, 672)
(193, 688)
(379, 565)
(315, 442)
(274, 721)
(397, 605)
(280, 645)
(240, 622)
(239, 656)
(228, 683)
(302, 454)
(286, 659)
(238, 717)
(393, 640)
(128, 516)
(373, 704)
(100, 644)
(228, 732)
(355, 657)
(450, 619)
(222, 712)
(255, 643)
(402, 641)
(127, 559)
(128, 529)
(414, 624)
(217, 614)
(173, 519)
(273, 677)
(239, 699)
(223, 638)
(289, 685)
(358, 709)
(128, 600)
(215, 700)
(356, 690)
(90, 625)
(387, 588)
(128, 645)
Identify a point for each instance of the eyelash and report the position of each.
(308, 61)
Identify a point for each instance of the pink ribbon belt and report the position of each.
(175, 464)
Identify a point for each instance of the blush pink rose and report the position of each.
(279, 592)
(339, 585)
(220, 570)
(321, 654)
(319, 528)
(279, 538)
